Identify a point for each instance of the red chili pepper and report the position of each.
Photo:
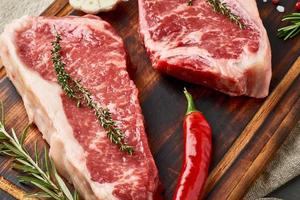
(197, 153)
(275, 2)
(297, 6)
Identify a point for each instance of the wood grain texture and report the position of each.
(2, 72)
(13, 190)
(251, 129)
(55, 7)
(262, 143)
(246, 131)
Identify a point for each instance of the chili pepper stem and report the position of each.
(191, 105)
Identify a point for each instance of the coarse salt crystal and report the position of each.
(280, 8)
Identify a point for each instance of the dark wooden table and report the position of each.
(244, 128)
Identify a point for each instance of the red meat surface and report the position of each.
(94, 54)
(198, 45)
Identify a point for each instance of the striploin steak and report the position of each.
(79, 146)
(196, 44)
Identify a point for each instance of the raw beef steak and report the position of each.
(94, 54)
(198, 45)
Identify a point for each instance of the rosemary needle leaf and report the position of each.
(292, 33)
(24, 134)
(46, 162)
(40, 178)
(76, 195)
(222, 8)
(7, 153)
(15, 138)
(36, 154)
(61, 183)
(291, 30)
(2, 137)
(63, 186)
(39, 184)
(12, 146)
(24, 162)
(23, 168)
(39, 195)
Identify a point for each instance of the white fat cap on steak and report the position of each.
(94, 6)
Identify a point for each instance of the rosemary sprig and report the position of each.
(75, 90)
(222, 8)
(45, 178)
(63, 77)
(291, 30)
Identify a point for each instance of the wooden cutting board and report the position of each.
(246, 131)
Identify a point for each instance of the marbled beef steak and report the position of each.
(198, 45)
(94, 54)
